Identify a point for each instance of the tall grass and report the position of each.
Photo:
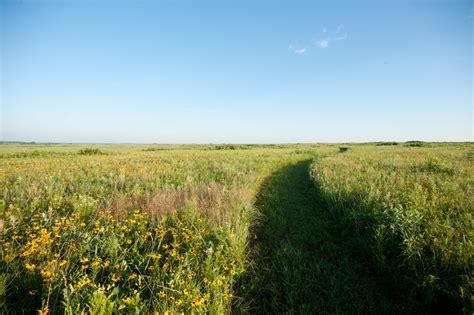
(135, 231)
(155, 228)
(411, 212)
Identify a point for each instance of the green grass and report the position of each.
(242, 228)
(410, 213)
(301, 260)
(63, 206)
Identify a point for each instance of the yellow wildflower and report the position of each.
(43, 311)
(84, 260)
(115, 277)
(95, 263)
(30, 266)
(45, 273)
(155, 256)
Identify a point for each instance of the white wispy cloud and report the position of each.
(325, 39)
(341, 37)
(297, 50)
(323, 43)
(300, 51)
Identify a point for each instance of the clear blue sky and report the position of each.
(236, 71)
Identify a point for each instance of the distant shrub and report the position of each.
(232, 147)
(343, 149)
(90, 151)
(152, 149)
(246, 146)
(225, 147)
(386, 143)
(415, 144)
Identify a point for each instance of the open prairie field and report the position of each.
(323, 228)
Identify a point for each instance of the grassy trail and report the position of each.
(300, 260)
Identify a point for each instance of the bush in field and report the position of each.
(225, 147)
(90, 151)
(415, 144)
(233, 147)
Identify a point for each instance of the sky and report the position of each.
(236, 71)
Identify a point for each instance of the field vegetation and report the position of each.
(410, 216)
(103, 229)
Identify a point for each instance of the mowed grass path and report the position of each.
(300, 259)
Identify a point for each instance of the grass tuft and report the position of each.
(90, 151)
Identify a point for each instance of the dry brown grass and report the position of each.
(213, 200)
